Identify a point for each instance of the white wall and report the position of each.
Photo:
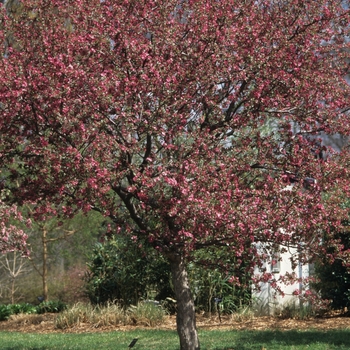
(266, 301)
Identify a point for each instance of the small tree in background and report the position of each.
(43, 228)
(12, 248)
(57, 243)
(56, 247)
(13, 265)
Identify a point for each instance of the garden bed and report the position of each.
(46, 324)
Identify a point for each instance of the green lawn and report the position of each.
(167, 340)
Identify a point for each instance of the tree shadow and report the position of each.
(25, 348)
(256, 340)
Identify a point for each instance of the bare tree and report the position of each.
(43, 271)
(14, 265)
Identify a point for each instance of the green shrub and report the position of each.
(334, 277)
(120, 270)
(5, 312)
(210, 283)
(51, 306)
(13, 309)
(22, 308)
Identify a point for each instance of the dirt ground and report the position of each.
(46, 324)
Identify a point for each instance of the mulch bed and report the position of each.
(46, 324)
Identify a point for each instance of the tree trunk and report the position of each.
(13, 290)
(186, 316)
(44, 272)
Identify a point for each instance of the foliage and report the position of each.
(213, 290)
(67, 242)
(5, 312)
(173, 150)
(25, 308)
(118, 266)
(334, 276)
(13, 309)
(54, 306)
(154, 113)
(122, 271)
(211, 276)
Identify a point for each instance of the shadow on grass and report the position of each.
(168, 340)
(256, 340)
(30, 348)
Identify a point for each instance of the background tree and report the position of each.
(12, 248)
(151, 113)
(13, 265)
(45, 241)
(56, 261)
(56, 246)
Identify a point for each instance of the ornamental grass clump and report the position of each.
(146, 314)
(74, 316)
(242, 314)
(109, 315)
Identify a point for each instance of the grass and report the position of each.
(167, 340)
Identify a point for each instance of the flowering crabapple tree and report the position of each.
(183, 121)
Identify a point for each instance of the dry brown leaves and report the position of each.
(46, 324)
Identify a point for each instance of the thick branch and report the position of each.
(126, 198)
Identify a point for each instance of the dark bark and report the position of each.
(186, 315)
